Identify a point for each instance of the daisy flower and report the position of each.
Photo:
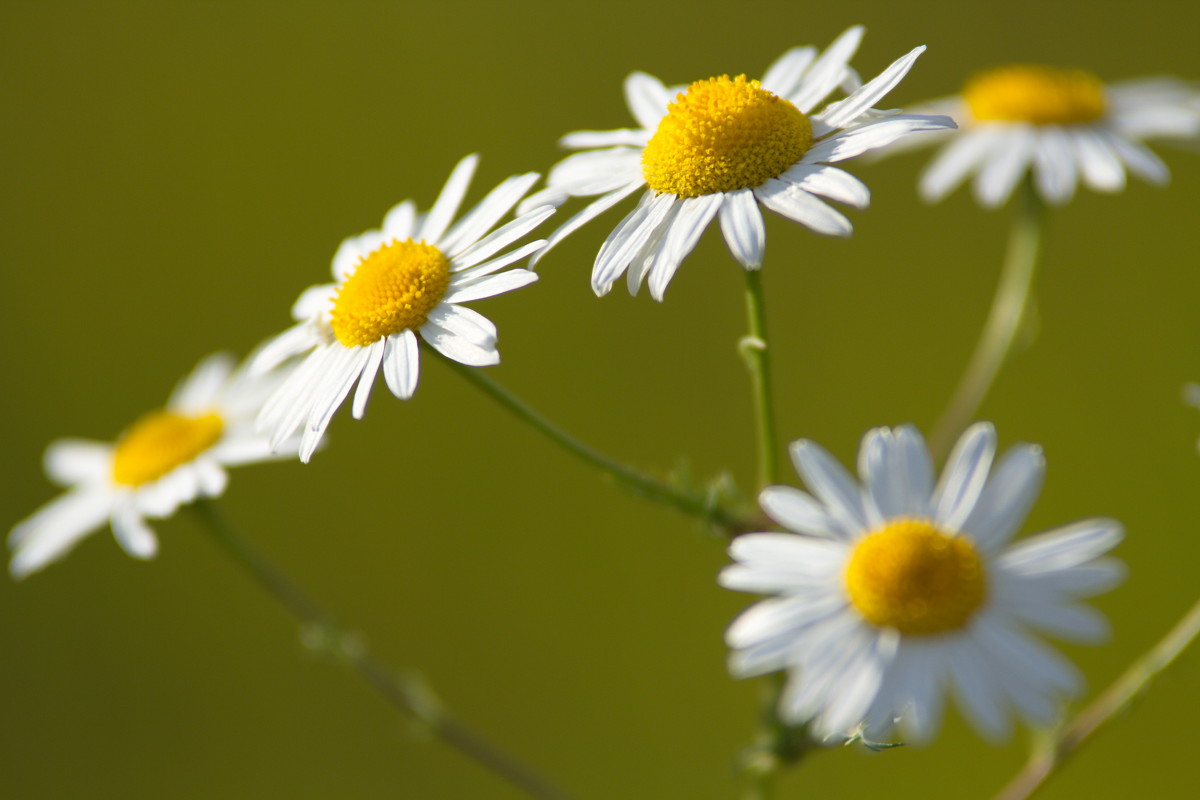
(166, 459)
(1063, 125)
(408, 278)
(892, 593)
(723, 147)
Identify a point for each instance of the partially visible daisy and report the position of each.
(723, 147)
(892, 593)
(1063, 126)
(166, 459)
(408, 278)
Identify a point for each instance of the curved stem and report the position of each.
(756, 353)
(324, 633)
(1009, 313)
(1046, 760)
(694, 504)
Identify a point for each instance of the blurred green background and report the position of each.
(175, 174)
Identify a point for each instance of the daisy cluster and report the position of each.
(886, 592)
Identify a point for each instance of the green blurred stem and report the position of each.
(1046, 760)
(641, 483)
(1009, 314)
(323, 632)
(776, 745)
(756, 353)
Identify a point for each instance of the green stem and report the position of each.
(1115, 699)
(755, 352)
(323, 632)
(694, 504)
(777, 745)
(1009, 314)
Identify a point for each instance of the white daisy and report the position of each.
(895, 591)
(723, 147)
(1064, 125)
(391, 284)
(166, 459)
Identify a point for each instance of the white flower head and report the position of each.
(409, 278)
(168, 458)
(720, 149)
(1062, 126)
(890, 593)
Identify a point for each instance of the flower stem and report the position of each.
(1009, 314)
(777, 745)
(691, 503)
(321, 631)
(755, 352)
(1046, 760)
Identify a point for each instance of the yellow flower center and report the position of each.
(161, 441)
(724, 134)
(1037, 94)
(910, 576)
(393, 289)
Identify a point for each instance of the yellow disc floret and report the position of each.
(393, 289)
(1038, 94)
(724, 134)
(910, 576)
(161, 441)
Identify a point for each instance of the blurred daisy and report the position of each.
(391, 284)
(1064, 125)
(166, 459)
(723, 147)
(892, 593)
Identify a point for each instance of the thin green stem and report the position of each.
(756, 353)
(1009, 314)
(1116, 698)
(777, 745)
(691, 503)
(323, 632)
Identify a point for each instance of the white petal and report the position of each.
(783, 76)
(593, 210)
(620, 137)
(1008, 163)
(401, 364)
(294, 341)
(962, 156)
(872, 136)
(486, 213)
(828, 71)
(50, 532)
(400, 221)
(71, 461)
(489, 286)
(1062, 548)
(465, 322)
(830, 481)
(1101, 168)
(964, 476)
(133, 534)
(458, 348)
(1139, 159)
(798, 511)
(628, 238)
(1054, 165)
(648, 99)
(196, 392)
(742, 227)
(978, 691)
(843, 112)
(798, 205)
(1007, 498)
(438, 218)
(684, 232)
(367, 379)
(502, 237)
(829, 182)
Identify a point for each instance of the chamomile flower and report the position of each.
(890, 594)
(720, 149)
(1063, 126)
(166, 459)
(408, 278)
